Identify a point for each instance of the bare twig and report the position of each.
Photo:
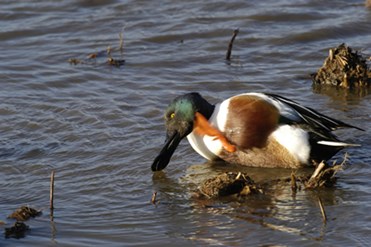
(318, 169)
(345, 159)
(230, 45)
(52, 190)
(109, 49)
(324, 217)
(121, 47)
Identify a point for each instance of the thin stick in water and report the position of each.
(318, 169)
(121, 47)
(230, 45)
(294, 186)
(324, 217)
(52, 190)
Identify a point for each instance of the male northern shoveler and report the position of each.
(252, 129)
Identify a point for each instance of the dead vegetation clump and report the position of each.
(106, 55)
(24, 213)
(229, 183)
(18, 230)
(323, 176)
(344, 68)
(240, 184)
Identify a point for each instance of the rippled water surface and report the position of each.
(100, 126)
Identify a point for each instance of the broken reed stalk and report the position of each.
(324, 217)
(345, 159)
(294, 186)
(153, 198)
(52, 190)
(230, 45)
(318, 169)
(121, 35)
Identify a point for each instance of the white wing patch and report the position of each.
(295, 140)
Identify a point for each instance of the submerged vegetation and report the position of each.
(106, 55)
(24, 213)
(19, 228)
(240, 184)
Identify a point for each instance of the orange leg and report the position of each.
(202, 127)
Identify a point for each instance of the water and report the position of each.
(100, 127)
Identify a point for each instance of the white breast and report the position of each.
(207, 146)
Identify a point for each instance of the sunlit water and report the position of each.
(100, 126)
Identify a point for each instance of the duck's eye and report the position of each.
(172, 115)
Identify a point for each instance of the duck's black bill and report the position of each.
(163, 159)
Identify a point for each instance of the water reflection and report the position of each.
(97, 125)
(278, 209)
(354, 95)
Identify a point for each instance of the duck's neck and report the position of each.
(205, 108)
(200, 104)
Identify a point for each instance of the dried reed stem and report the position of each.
(52, 190)
(230, 45)
(294, 186)
(153, 199)
(318, 169)
(121, 46)
(324, 217)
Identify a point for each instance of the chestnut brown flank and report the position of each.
(250, 121)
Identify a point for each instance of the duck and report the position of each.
(251, 129)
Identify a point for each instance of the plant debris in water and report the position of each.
(154, 201)
(116, 62)
(92, 58)
(24, 213)
(230, 183)
(344, 68)
(18, 230)
(323, 176)
(240, 184)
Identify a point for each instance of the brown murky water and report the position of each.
(99, 126)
